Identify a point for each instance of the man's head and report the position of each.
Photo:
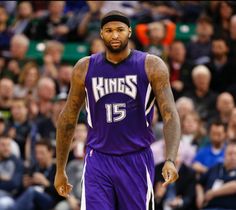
(19, 46)
(201, 76)
(44, 153)
(217, 133)
(225, 103)
(5, 147)
(6, 88)
(230, 156)
(115, 31)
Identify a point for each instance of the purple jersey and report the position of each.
(119, 104)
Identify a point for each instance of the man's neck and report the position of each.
(117, 57)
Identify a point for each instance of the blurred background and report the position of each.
(40, 41)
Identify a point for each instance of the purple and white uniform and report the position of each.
(119, 166)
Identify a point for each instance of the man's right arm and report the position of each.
(68, 117)
(66, 124)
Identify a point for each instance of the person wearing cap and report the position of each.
(119, 88)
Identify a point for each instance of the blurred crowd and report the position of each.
(32, 94)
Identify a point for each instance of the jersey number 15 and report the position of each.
(115, 112)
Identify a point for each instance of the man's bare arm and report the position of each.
(158, 76)
(68, 117)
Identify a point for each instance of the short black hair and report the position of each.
(115, 15)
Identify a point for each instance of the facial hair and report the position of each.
(116, 50)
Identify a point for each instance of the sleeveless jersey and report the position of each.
(119, 104)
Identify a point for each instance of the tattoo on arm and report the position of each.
(68, 117)
(158, 76)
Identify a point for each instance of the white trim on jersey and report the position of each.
(150, 193)
(83, 197)
(147, 99)
(88, 109)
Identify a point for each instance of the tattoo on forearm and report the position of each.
(68, 117)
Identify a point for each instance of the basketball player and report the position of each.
(119, 88)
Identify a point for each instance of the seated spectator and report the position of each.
(52, 25)
(221, 67)
(46, 91)
(46, 128)
(22, 17)
(199, 49)
(156, 37)
(63, 78)
(184, 106)
(39, 191)
(217, 188)
(11, 172)
(89, 24)
(19, 126)
(6, 97)
(52, 59)
(28, 80)
(231, 129)
(5, 34)
(224, 11)
(96, 46)
(180, 69)
(204, 99)
(213, 153)
(178, 195)
(224, 107)
(16, 58)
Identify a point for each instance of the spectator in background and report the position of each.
(96, 46)
(28, 80)
(184, 106)
(222, 69)
(89, 25)
(46, 91)
(157, 125)
(46, 128)
(180, 69)
(5, 34)
(204, 99)
(53, 25)
(63, 78)
(224, 12)
(38, 181)
(232, 38)
(22, 18)
(231, 129)
(213, 153)
(11, 172)
(19, 127)
(199, 49)
(217, 188)
(16, 57)
(6, 96)
(156, 37)
(178, 195)
(52, 59)
(224, 106)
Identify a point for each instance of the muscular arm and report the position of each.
(158, 76)
(68, 117)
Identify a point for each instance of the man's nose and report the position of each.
(115, 35)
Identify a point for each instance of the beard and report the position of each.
(118, 49)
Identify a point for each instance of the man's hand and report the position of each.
(169, 173)
(62, 185)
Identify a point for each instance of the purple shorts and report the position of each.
(112, 182)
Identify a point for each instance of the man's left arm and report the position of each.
(158, 76)
(228, 188)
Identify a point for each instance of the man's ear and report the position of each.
(130, 32)
(101, 34)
